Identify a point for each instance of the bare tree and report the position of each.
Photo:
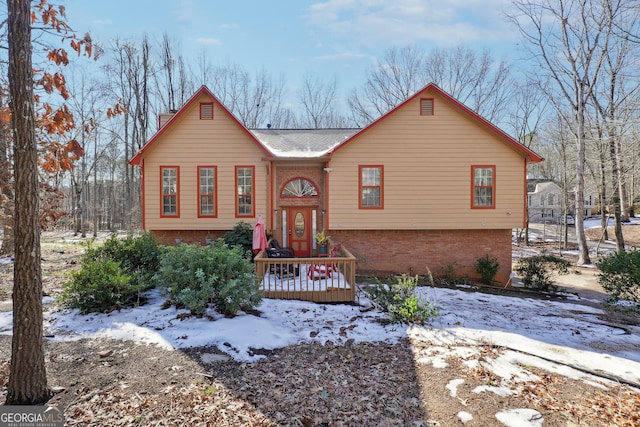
(318, 99)
(132, 70)
(529, 109)
(255, 101)
(88, 107)
(28, 376)
(397, 76)
(168, 68)
(567, 37)
(173, 82)
(475, 80)
(597, 167)
(618, 91)
(6, 186)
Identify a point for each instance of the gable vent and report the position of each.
(426, 107)
(206, 111)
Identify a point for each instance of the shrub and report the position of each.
(139, 256)
(487, 268)
(448, 276)
(401, 302)
(195, 276)
(99, 286)
(241, 235)
(112, 275)
(536, 271)
(620, 276)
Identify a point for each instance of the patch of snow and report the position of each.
(520, 417)
(452, 386)
(500, 391)
(465, 417)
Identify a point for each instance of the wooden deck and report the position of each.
(327, 279)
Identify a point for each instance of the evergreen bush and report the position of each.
(241, 235)
(535, 271)
(487, 268)
(139, 256)
(401, 302)
(99, 286)
(195, 276)
(620, 276)
(112, 275)
(447, 276)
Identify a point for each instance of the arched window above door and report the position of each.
(299, 187)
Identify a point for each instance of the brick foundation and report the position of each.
(412, 252)
(400, 251)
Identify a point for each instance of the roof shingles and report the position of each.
(298, 143)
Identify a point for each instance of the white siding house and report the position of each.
(546, 202)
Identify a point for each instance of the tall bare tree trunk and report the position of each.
(28, 376)
(604, 218)
(95, 186)
(6, 194)
(583, 247)
(567, 38)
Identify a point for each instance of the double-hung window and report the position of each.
(245, 191)
(483, 187)
(371, 186)
(170, 176)
(207, 190)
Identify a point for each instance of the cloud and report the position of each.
(208, 41)
(183, 11)
(229, 26)
(341, 56)
(374, 23)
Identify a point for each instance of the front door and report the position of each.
(299, 230)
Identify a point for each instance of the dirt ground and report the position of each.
(106, 382)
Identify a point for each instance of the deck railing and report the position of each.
(318, 279)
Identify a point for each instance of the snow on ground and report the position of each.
(565, 338)
(551, 335)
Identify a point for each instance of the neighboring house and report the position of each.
(546, 202)
(428, 186)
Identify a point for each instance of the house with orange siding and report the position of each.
(428, 186)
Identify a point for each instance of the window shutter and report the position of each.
(206, 111)
(426, 107)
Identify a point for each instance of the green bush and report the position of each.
(196, 276)
(112, 275)
(620, 276)
(535, 271)
(401, 302)
(447, 276)
(139, 256)
(100, 286)
(241, 235)
(487, 268)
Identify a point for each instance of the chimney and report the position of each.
(164, 117)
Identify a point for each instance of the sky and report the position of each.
(293, 38)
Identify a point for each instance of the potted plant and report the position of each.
(323, 241)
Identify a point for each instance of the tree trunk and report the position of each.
(604, 218)
(6, 194)
(28, 377)
(95, 186)
(583, 247)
